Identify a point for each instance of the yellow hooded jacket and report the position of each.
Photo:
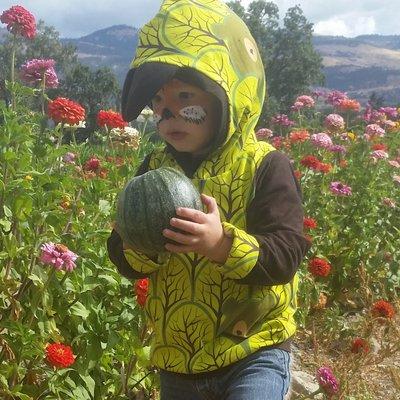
(203, 319)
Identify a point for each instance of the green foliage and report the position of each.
(92, 308)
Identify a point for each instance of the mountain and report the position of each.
(358, 66)
(362, 65)
(113, 47)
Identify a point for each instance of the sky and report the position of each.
(76, 18)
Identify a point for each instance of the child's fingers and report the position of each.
(192, 214)
(179, 237)
(187, 226)
(210, 203)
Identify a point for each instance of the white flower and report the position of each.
(146, 114)
(81, 124)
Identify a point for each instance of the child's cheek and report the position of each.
(193, 114)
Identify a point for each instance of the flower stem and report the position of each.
(14, 41)
(43, 92)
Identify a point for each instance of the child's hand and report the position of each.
(203, 233)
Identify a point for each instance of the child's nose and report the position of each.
(167, 114)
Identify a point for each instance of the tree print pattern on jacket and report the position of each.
(202, 317)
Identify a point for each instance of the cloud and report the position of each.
(74, 18)
(348, 26)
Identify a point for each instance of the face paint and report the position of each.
(194, 114)
(185, 116)
(157, 118)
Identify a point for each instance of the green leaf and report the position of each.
(90, 383)
(80, 310)
(104, 207)
(5, 224)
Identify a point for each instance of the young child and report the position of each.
(221, 300)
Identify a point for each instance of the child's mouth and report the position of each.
(177, 135)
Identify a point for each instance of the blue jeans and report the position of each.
(264, 375)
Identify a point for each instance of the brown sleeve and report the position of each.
(114, 242)
(275, 219)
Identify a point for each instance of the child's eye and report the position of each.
(185, 95)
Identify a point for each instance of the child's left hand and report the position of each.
(203, 232)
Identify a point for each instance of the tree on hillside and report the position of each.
(291, 63)
(95, 90)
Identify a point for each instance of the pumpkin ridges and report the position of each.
(147, 204)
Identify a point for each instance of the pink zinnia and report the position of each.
(390, 112)
(306, 101)
(33, 71)
(327, 381)
(282, 119)
(337, 148)
(19, 21)
(58, 256)
(277, 141)
(264, 133)
(334, 122)
(389, 125)
(394, 163)
(321, 139)
(335, 97)
(374, 130)
(297, 106)
(379, 154)
(69, 158)
(340, 189)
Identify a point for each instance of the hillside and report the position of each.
(362, 65)
(359, 66)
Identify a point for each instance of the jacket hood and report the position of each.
(204, 35)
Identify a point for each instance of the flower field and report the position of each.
(72, 327)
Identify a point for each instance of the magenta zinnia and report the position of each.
(19, 21)
(58, 256)
(334, 122)
(327, 380)
(322, 140)
(34, 70)
(340, 189)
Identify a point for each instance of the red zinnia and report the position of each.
(319, 267)
(349, 105)
(93, 164)
(310, 161)
(309, 223)
(110, 119)
(298, 174)
(299, 136)
(19, 21)
(141, 289)
(324, 167)
(359, 345)
(379, 146)
(59, 355)
(65, 111)
(382, 308)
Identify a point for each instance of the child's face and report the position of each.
(185, 115)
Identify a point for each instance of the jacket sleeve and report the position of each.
(131, 264)
(271, 249)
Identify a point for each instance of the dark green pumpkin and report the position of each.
(147, 204)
